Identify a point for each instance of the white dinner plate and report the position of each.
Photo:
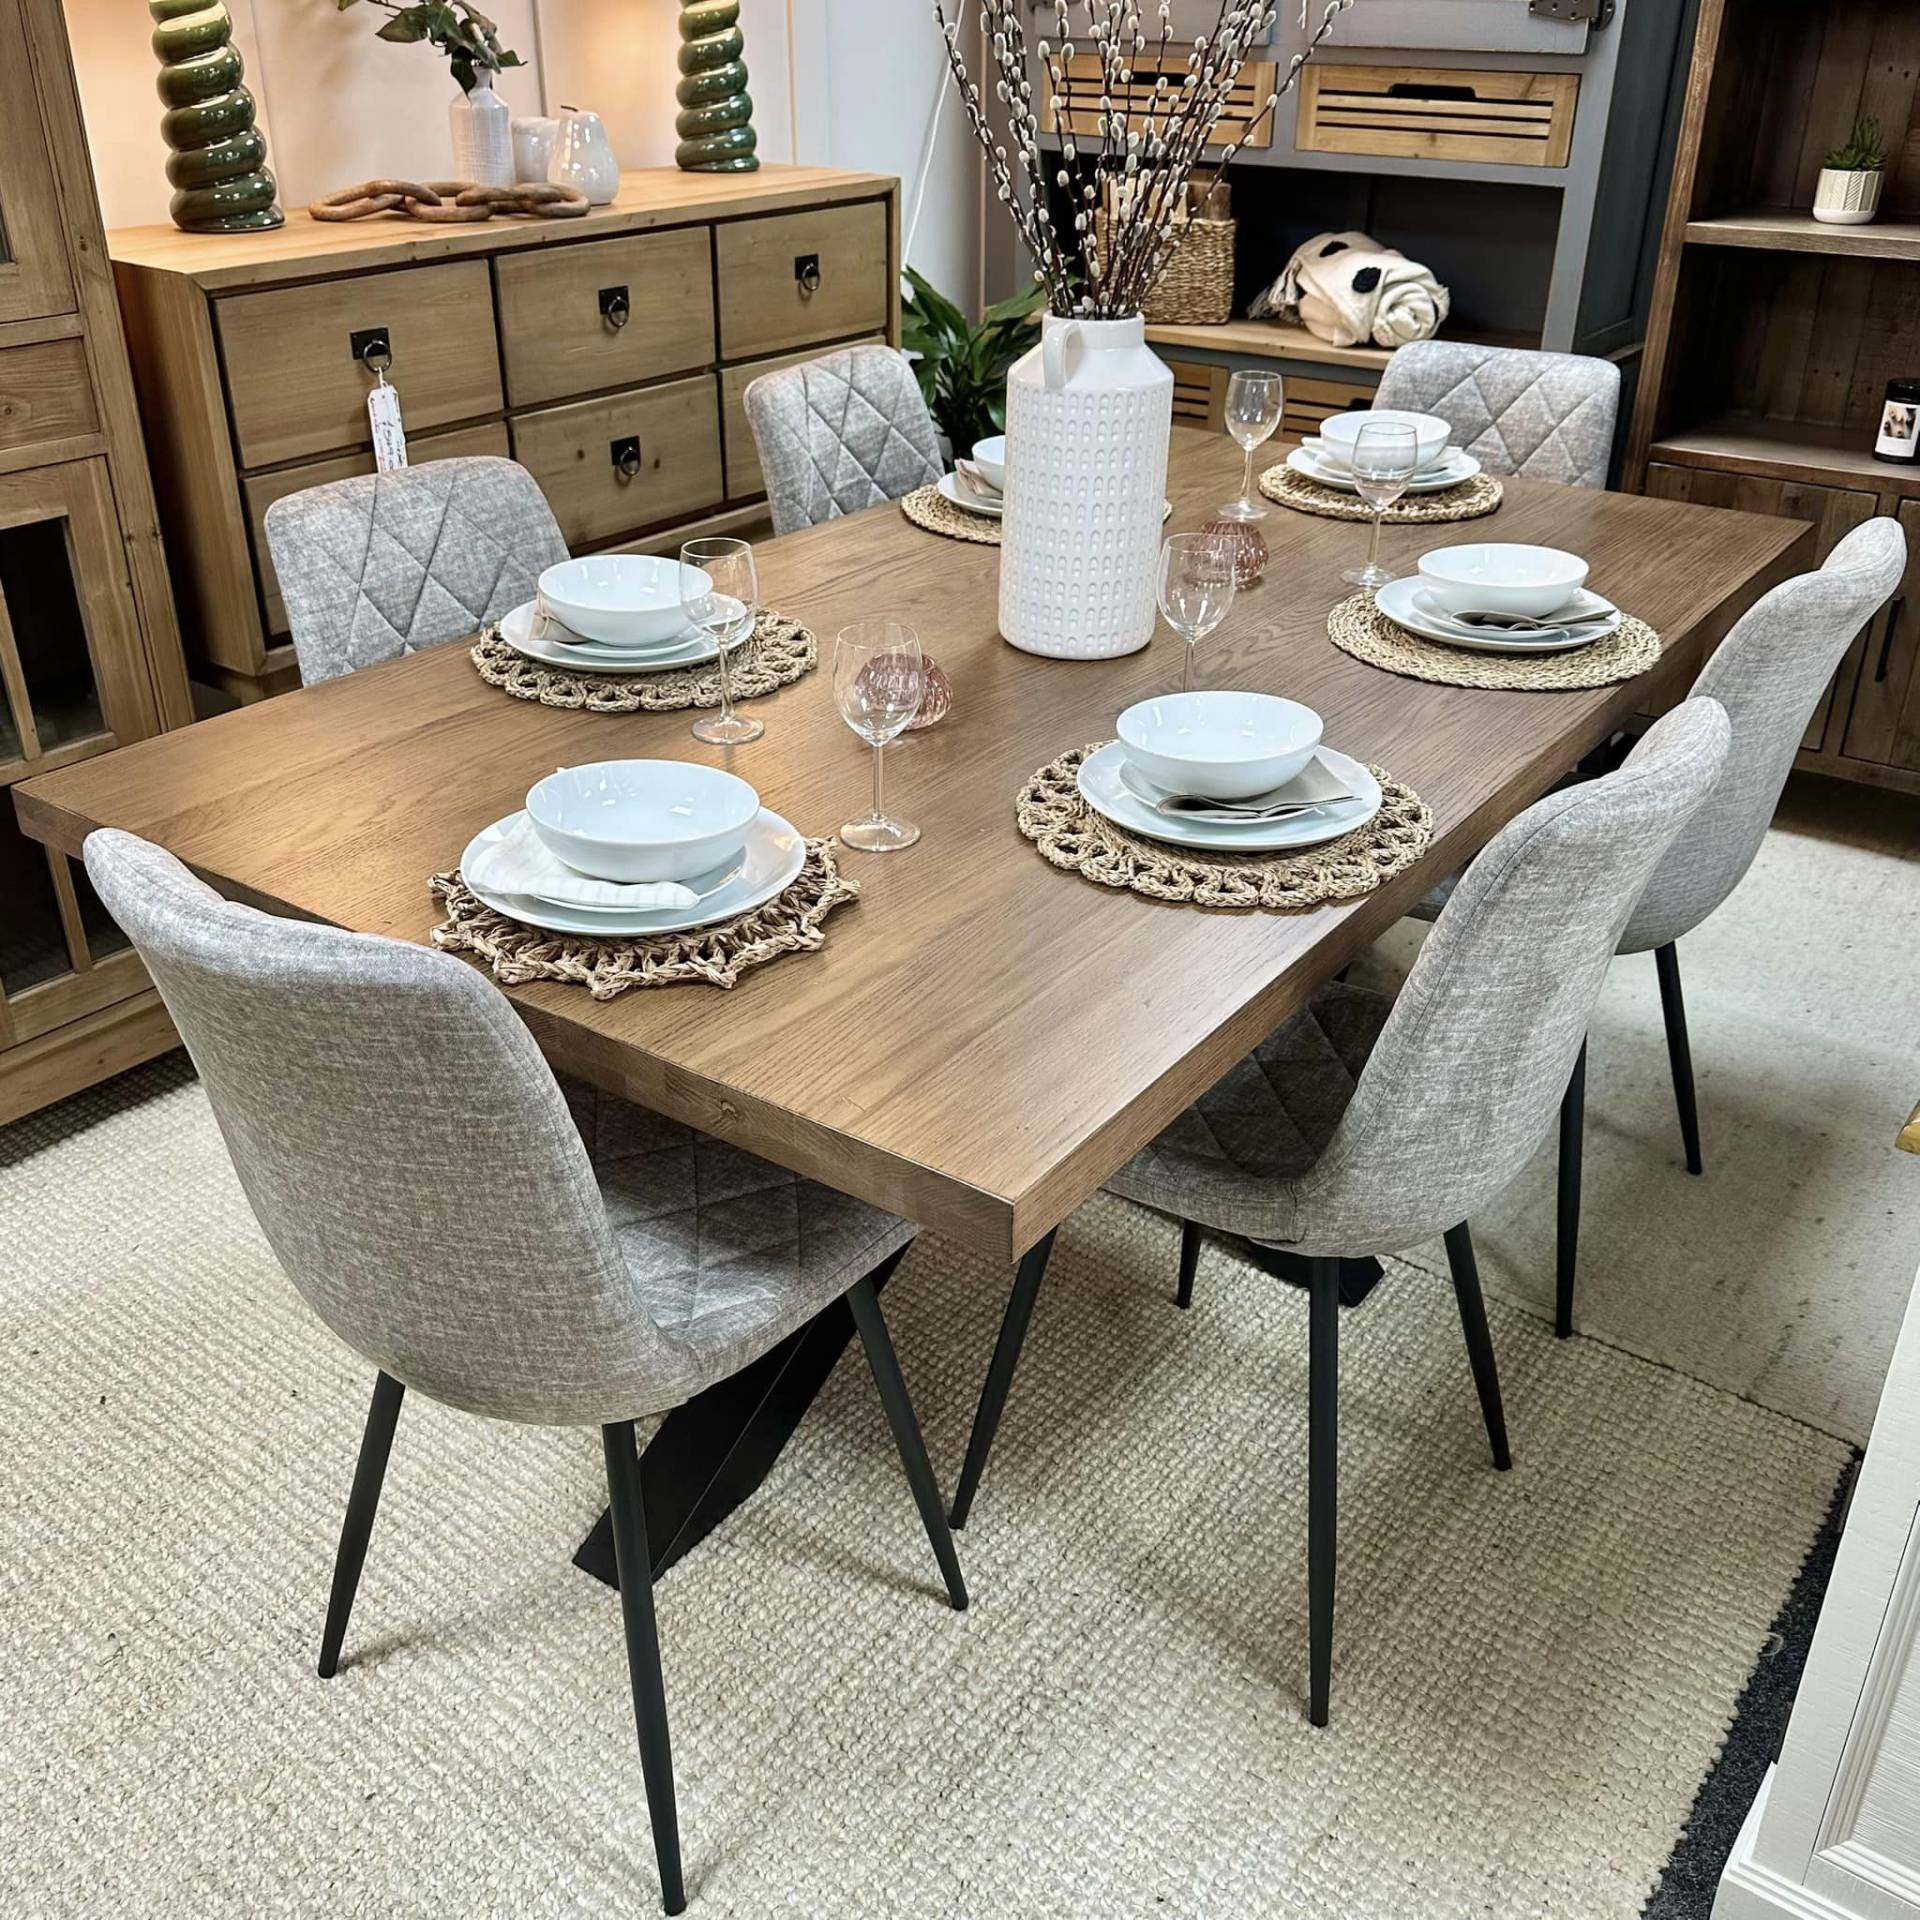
(966, 500)
(1407, 604)
(775, 853)
(517, 629)
(1103, 789)
(1457, 467)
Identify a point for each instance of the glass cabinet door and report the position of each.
(72, 684)
(34, 279)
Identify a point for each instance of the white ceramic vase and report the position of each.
(1847, 197)
(583, 157)
(482, 129)
(533, 138)
(1089, 411)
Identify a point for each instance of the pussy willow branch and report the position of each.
(1098, 253)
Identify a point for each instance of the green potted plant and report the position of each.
(479, 120)
(962, 369)
(1849, 191)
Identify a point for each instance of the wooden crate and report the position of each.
(1248, 98)
(1438, 113)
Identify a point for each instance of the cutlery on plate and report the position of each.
(976, 482)
(1526, 623)
(1323, 789)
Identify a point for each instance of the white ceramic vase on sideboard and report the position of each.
(482, 128)
(1089, 411)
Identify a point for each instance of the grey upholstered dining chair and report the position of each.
(1365, 1126)
(1546, 416)
(388, 563)
(1768, 674)
(840, 433)
(410, 1157)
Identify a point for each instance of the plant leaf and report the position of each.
(409, 24)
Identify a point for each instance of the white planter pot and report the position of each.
(1089, 411)
(1849, 199)
(482, 129)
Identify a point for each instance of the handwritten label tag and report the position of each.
(389, 436)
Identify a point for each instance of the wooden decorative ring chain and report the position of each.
(449, 202)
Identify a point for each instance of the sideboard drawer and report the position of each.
(672, 436)
(789, 279)
(264, 489)
(609, 313)
(297, 386)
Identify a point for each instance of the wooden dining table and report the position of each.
(983, 1039)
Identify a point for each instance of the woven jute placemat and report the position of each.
(1470, 500)
(780, 651)
(1358, 627)
(930, 508)
(1070, 834)
(516, 953)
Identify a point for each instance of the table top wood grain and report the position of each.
(983, 1039)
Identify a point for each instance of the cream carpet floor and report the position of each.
(1533, 1671)
(1783, 1272)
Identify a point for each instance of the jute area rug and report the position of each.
(1533, 1672)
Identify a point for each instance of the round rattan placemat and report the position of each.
(1470, 500)
(516, 953)
(780, 651)
(1358, 627)
(930, 508)
(1070, 834)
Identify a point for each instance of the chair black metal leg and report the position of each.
(643, 1654)
(1323, 1478)
(1473, 1323)
(1006, 1356)
(1566, 1258)
(375, 1444)
(1666, 962)
(1189, 1261)
(906, 1431)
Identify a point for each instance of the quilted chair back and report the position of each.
(404, 1147)
(841, 433)
(388, 563)
(1547, 416)
(1769, 674)
(1465, 1080)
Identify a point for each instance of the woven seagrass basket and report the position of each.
(1195, 288)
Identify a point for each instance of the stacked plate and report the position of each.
(1228, 773)
(1492, 597)
(627, 848)
(1328, 458)
(611, 613)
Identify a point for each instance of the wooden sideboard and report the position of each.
(89, 654)
(607, 354)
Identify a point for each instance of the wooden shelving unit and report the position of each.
(1773, 335)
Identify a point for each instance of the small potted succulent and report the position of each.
(1849, 191)
(479, 119)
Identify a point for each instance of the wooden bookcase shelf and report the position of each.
(1790, 230)
(1267, 340)
(1774, 335)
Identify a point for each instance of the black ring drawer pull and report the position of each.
(626, 456)
(806, 270)
(615, 308)
(372, 348)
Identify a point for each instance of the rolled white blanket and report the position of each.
(1345, 289)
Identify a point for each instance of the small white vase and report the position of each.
(1847, 197)
(482, 129)
(583, 157)
(1089, 411)
(533, 137)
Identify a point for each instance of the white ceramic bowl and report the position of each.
(1338, 432)
(643, 819)
(990, 456)
(1226, 746)
(619, 597)
(1485, 576)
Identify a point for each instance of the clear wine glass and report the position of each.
(1196, 589)
(1386, 455)
(1255, 402)
(726, 608)
(878, 681)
